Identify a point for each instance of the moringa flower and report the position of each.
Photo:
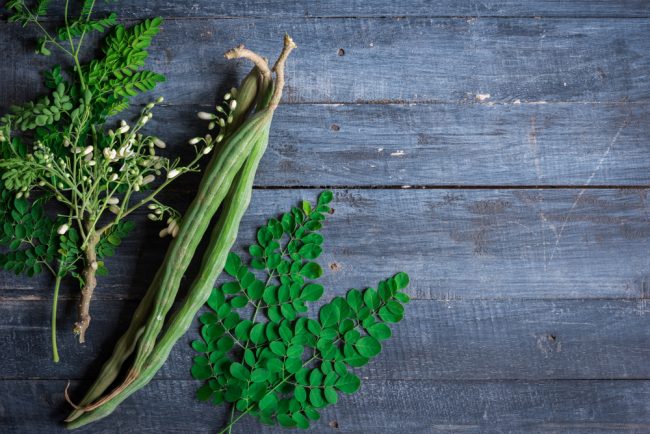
(206, 116)
(159, 143)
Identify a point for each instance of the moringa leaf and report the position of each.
(271, 360)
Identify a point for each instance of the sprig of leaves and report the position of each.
(259, 352)
(59, 148)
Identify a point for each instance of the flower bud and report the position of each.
(152, 217)
(172, 173)
(62, 229)
(163, 233)
(219, 138)
(233, 104)
(159, 143)
(207, 150)
(206, 116)
(113, 177)
(114, 209)
(152, 206)
(159, 100)
(123, 129)
(194, 140)
(88, 150)
(113, 200)
(147, 179)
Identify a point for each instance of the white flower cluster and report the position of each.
(158, 212)
(222, 118)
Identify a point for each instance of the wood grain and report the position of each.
(378, 407)
(360, 145)
(448, 60)
(530, 298)
(438, 340)
(442, 144)
(455, 244)
(381, 8)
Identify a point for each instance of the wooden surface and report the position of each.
(497, 151)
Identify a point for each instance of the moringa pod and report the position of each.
(231, 172)
(130, 339)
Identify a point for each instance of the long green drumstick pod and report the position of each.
(151, 355)
(125, 346)
(223, 238)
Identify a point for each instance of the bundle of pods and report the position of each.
(226, 187)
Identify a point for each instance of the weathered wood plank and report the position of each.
(441, 144)
(466, 244)
(379, 407)
(359, 8)
(411, 59)
(438, 340)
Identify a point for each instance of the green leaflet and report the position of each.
(260, 351)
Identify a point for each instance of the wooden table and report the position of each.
(497, 151)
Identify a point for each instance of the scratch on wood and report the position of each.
(587, 183)
(532, 139)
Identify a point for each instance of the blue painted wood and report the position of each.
(526, 299)
(384, 407)
(455, 244)
(438, 340)
(390, 60)
(379, 8)
(439, 145)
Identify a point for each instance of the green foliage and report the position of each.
(80, 101)
(284, 368)
(27, 234)
(57, 152)
(81, 26)
(116, 77)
